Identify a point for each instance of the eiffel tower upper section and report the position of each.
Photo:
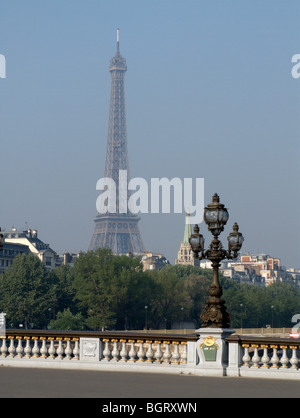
(118, 231)
(117, 150)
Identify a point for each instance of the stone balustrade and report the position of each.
(39, 347)
(264, 357)
(205, 352)
(17, 347)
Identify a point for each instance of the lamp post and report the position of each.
(272, 307)
(241, 305)
(146, 319)
(216, 216)
(181, 318)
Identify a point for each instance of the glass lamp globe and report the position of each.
(216, 216)
(235, 239)
(196, 241)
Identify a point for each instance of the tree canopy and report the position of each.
(105, 291)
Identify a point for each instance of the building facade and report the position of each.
(9, 252)
(153, 261)
(29, 238)
(260, 269)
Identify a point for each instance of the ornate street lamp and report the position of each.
(216, 217)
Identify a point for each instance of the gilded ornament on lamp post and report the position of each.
(216, 216)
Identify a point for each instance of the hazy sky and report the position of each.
(209, 93)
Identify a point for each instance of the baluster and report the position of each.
(3, 347)
(158, 354)
(76, 349)
(123, 351)
(141, 354)
(274, 359)
(68, 350)
(255, 357)
(132, 352)
(284, 359)
(44, 350)
(265, 358)
(246, 357)
(35, 349)
(175, 356)
(115, 352)
(149, 353)
(294, 360)
(19, 349)
(51, 348)
(11, 348)
(184, 353)
(106, 351)
(167, 354)
(60, 349)
(27, 349)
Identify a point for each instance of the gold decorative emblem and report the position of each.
(209, 341)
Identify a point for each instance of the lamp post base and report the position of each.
(212, 349)
(215, 314)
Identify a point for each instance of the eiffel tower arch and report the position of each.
(117, 231)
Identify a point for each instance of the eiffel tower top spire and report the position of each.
(118, 62)
(118, 41)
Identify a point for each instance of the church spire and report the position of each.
(187, 229)
(185, 254)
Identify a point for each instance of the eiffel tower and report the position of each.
(117, 231)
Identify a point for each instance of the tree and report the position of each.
(133, 289)
(196, 282)
(67, 321)
(62, 278)
(25, 292)
(256, 303)
(106, 287)
(105, 290)
(197, 287)
(169, 297)
(92, 275)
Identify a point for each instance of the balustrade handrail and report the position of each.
(141, 335)
(147, 335)
(249, 339)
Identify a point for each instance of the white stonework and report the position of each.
(213, 339)
(90, 349)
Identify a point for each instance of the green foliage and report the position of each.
(110, 289)
(67, 321)
(103, 290)
(169, 297)
(256, 310)
(94, 279)
(25, 292)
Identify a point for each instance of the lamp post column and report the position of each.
(212, 347)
